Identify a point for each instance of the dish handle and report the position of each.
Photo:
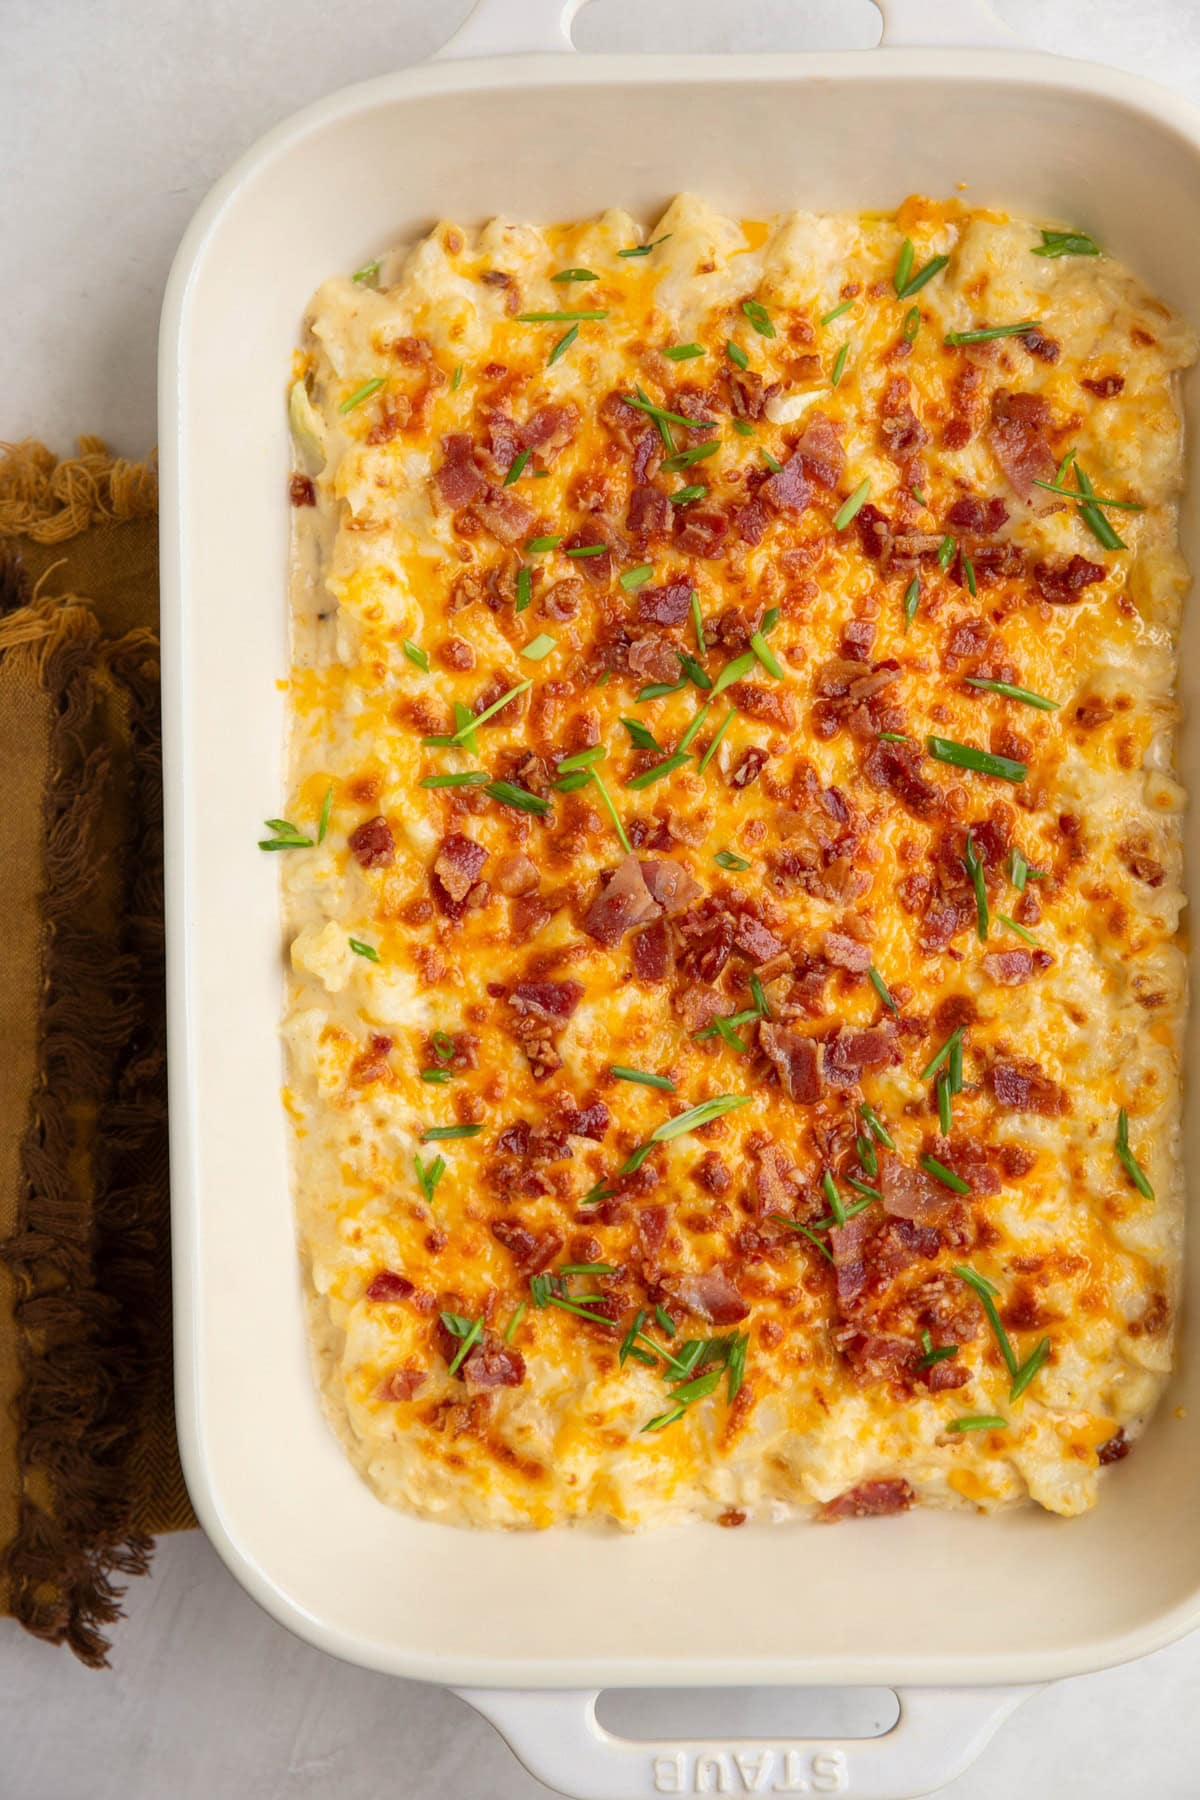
(532, 27)
(558, 1738)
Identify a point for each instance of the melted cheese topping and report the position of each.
(845, 841)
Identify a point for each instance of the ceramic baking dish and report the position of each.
(978, 1608)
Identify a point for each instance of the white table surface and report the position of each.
(115, 117)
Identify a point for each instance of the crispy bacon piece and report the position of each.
(1103, 386)
(698, 1006)
(712, 1296)
(548, 427)
(896, 769)
(1115, 1448)
(789, 488)
(771, 706)
(748, 394)
(625, 902)
(532, 1251)
(650, 513)
(774, 1189)
(552, 1001)
(752, 938)
(401, 1384)
(493, 1364)
(1038, 343)
(372, 844)
(667, 605)
(870, 1500)
(849, 1053)
(848, 1247)
(596, 569)
(751, 519)
(507, 518)
(971, 514)
(516, 874)
(820, 450)
(1063, 583)
(879, 1356)
(795, 1060)
(1021, 1086)
(700, 531)
(456, 869)
(625, 422)
(899, 426)
(653, 659)
(388, 1285)
(650, 1226)
(910, 1193)
(846, 952)
(371, 1063)
(671, 886)
(458, 480)
(301, 491)
(1017, 443)
(750, 766)
(857, 639)
(1013, 967)
(652, 952)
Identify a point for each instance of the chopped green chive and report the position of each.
(743, 427)
(571, 783)
(975, 870)
(636, 578)
(912, 324)
(558, 318)
(582, 759)
(985, 335)
(978, 1422)
(904, 266)
(443, 1133)
(736, 354)
(711, 751)
(694, 454)
(864, 1149)
(1093, 518)
(415, 654)
(767, 656)
(489, 711)
(726, 859)
(287, 836)
(517, 797)
(640, 736)
(698, 624)
(770, 620)
(772, 462)
(933, 267)
(733, 671)
(575, 275)
(1054, 487)
(956, 1067)
(881, 988)
(876, 1126)
(360, 394)
(562, 346)
(648, 777)
(968, 569)
(586, 550)
(839, 364)
(326, 809)
(467, 1330)
(693, 671)
(645, 249)
(443, 1045)
(684, 496)
(1132, 1167)
(685, 741)
(1018, 869)
(836, 312)
(931, 1356)
(945, 1113)
(684, 352)
(912, 599)
(836, 1204)
(361, 949)
(539, 647)
(919, 497)
(1013, 693)
(795, 1225)
(460, 778)
(642, 404)
(368, 272)
(758, 993)
(946, 1176)
(510, 1330)
(542, 543)
(1029, 1368)
(642, 1077)
(1067, 243)
(696, 1116)
(1019, 929)
(759, 317)
(850, 508)
(613, 814)
(428, 1178)
(516, 467)
(932, 1068)
(946, 550)
(894, 737)
(656, 690)
(524, 587)
(966, 756)
(987, 1292)
(727, 1022)
(436, 1077)
(456, 378)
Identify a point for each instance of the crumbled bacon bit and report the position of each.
(388, 1285)
(1063, 583)
(870, 1500)
(301, 491)
(372, 844)
(749, 767)
(712, 1296)
(1114, 1449)
(1103, 386)
(796, 1062)
(668, 605)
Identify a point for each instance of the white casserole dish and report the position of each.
(976, 1605)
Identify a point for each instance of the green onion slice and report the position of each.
(967, 756)
(1133, 1168)
(850, 508)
